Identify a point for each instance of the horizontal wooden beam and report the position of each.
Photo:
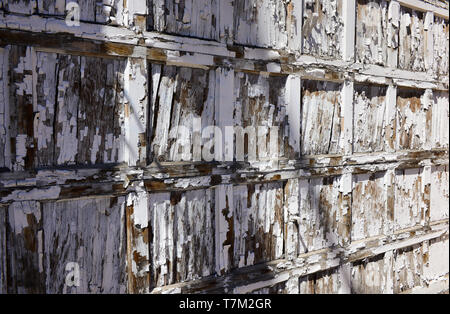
(50, 34)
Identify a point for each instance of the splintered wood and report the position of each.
(219, 146)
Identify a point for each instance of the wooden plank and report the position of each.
(377, 32)
(21, 114)
(182, 97)
(3, 250)
(5, 142)
(138, 243)
(260, 111)
(439, 194)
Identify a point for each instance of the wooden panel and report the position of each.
(408, 268)
(435, 260)
(371, 215)
(24, 248)
(91, 233)
(19, 6)
(321, 122)
(370, 125)
(67, 126)
(411, 40)
(52, 7)
(373, 275)
(99, 11)
(181, 236)
(179, 95)
(409, 207)
(414, 117)
(194, 18)
(257, 224)
(323, 28)
(249, 225)
(324, 282)
(267, 23)
(261, 104)
(374, 32)
(324, 217)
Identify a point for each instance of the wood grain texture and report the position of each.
(88, 232)
(321, 118)
(322, 28)
(181, 236)
(24, 242)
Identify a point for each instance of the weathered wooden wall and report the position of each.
(353, 200)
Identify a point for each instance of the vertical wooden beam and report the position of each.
(292, 217)
(347, 115)
(5, 142)
(3, 265)
(226, 21)
(224, 108)
(349, 16)
(223, 227)
(293, 95)
(390, 118)
(294, 25)
(429, 41)
(136, 105)
(393, 33)
(138, 249)
(345, 276)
